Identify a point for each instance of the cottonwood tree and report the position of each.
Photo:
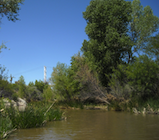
(60, 80)
(106, 28)
(143, 24)
(152, 48)
(117, 29)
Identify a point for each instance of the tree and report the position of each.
(10, 8)
(84, 81)
(48, 94)
(22, 87)
(152, 48)
(61, 81)
(31, 84)
(106, 28)
(40, 85)
(3, 76)
(142, 25)
(143, 76)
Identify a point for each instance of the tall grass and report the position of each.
(33, 116)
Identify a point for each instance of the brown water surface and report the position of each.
(95, 125)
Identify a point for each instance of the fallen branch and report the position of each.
(8, 132)
(1, 110)
(49, 108)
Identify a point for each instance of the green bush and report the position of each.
(119, 86)
(32, 94)
(143, 77)
(6, 89)
(48, 94)
(41, 85)
(54, 114)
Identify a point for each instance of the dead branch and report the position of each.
(8, 132)
(49, 108)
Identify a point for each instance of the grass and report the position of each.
(34, 116)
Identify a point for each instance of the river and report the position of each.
(95, 125)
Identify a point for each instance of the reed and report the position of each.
(34, 116)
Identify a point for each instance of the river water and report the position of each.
(95, 125)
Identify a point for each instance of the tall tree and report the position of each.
(152, 48)
(22, 87)
(60, 80)
(108, 44)
(143, 24)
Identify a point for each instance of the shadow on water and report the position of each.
(95, 125)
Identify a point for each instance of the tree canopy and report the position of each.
(106, 28)
(10, 8)
(116, 29)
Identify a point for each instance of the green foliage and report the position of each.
(31, 84)
(48, 94)
(10, 8)
(33, 116)
(152, 48)
(15, 86)
(106, 28)
(118, 84)
(5, 125)
(143, 76)
(61, 81)
(22, 87)
(142, 25)
(32, 94)
(77, 63)
(54, 114)
(6, 89)
(2, 47)
(21, 80)
(85, 82)
(3, 75)
(40, 85)
(15, 96)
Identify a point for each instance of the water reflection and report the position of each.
(95, 125)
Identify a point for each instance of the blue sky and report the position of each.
(48, 32)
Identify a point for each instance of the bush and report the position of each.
(40, 85)
(143, 77)
(6, 89)
(119, 86)
(48, 94)
(32, 94)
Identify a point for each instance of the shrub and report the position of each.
(119, 86)
(48, 94)
(143, 77)
(32, 94)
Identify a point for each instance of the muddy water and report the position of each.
(95, 125)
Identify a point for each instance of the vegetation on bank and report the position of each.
(120, 59)
(36, 114)
(118, 66)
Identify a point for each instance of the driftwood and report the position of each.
(49, 108)
(8, 132)
(1, 110)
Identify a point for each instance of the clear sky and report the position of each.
(49, 31)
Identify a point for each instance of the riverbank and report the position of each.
(36, 114)
(133, 105)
